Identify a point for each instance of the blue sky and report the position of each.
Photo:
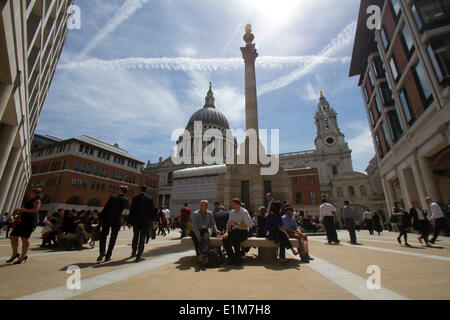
(138, 69)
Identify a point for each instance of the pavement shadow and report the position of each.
(190, 262)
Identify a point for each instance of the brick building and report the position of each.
(305, 185)
(404, 75)
(83, 172)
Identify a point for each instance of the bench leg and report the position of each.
(267, 254)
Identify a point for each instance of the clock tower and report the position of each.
(329, 138)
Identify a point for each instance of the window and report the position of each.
(81, 148)
(298, 197)
(377, 67)
(396, 9)
(105, 173)
(366, 94)
(267, 187)
(430, 14)
(383, 130)
(407, 41)
(369, 76)
(95, 171)
(351, 191)
(380, 150)
(99, 155)
(384, 38)
(439, 52)
(372, 118)
(385, 94)
(363, 190)
(169, 178)
(100, 171)
(296, 181)
(395, 126)
(313, 197)
(334, 170)
(88, 168)
(75, 201)
(422, 84)
(74, 181)
(377, 105)
(311, 180)
(77, 166)
(406, 107)
(82, 167)
(394, 69)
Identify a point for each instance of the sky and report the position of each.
(137, 70)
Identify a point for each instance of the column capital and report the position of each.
(249, 53)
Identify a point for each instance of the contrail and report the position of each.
(194, 64)
(128, 8)
(341, 41)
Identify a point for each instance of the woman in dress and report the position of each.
(25, 228)
(401, 218)
(276, 231)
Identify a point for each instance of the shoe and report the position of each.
(432, 241)
(428, 245)
(108, 258)
(304, 260)
(13, 258)
(133, 255)
(20, 260)
(420, 239)
(307, 256)
(399, 241)
(337, 242)
(139, 259)
(295, 252)
(408, 245)
(100, 257)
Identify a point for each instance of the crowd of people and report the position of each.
(274, 220)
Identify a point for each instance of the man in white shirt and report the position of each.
(367, 218)
(437, 216)
(166, 213)
(239, 223)
(327, 217)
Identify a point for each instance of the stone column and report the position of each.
(429, 180)
(249, 54)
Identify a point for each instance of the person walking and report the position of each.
(437, 218)
(184, 216)
(368, 220)
(420, 222)
(142, 215)
(110, 220)
(291, 226)
(401, 218)
(348, 214)
(202, 222)
(327, 218)
(26, 226)
(239, 223)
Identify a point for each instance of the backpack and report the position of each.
(215, 256)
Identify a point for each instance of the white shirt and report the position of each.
(326, 209)
(436, 211)
(242, 217)
(167, 214)
(367, 215)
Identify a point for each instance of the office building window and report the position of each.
(296, 181)
(372, 118)
(369, 76)
(407, 41)
(394, 69)
(366, 94)
(313, 197)
(77, 166)
(380, 150)
(385, 94)
(396, 9)
(311, 180)
(395, 126)
(377, 67)
(430, 14)
(383, 130)
(439, 52)
(384, 38)
(298, 197)
(422, 84)
(82, 167)
(406, 106)
(88, 168)
(377, 105)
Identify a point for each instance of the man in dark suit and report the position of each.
(110, 218)
(221, 219)
(142, 215)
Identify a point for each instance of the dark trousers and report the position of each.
(369, 225)
(350, 223)
(439, 225)
(201, 247)
(423, 229)
(183, 226)
(330, 226)
(403, 229)
(112, 240)
(284, 244)
(235, 237)
(139, 234)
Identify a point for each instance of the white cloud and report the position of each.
(361, 144)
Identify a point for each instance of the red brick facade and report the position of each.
(305, 187)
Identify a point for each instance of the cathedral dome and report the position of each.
(209, 115)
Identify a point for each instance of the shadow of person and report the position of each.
(187, 263)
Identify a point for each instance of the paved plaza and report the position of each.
(170, 272)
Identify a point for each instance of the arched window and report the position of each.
(94, 203)
(351, 191)
(363, 190)
(75, 200)
(339, 192)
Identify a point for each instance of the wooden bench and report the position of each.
(267, 249)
